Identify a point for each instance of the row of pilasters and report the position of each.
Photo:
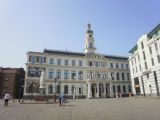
(100, 90)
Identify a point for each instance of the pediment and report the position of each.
(95, 57)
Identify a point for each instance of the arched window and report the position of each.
(66, 89)
(119, 88)
(50, 89)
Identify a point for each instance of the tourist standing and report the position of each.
(6, 98)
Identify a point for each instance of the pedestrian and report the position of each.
(6, 98)
(60, 99)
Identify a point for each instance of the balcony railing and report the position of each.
(34, 73)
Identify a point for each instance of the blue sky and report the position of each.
(32, 25)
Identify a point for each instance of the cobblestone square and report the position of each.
(92, 109)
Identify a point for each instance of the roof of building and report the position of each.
(154, 30)
(80, 54)
(63, 52)
(133, 49)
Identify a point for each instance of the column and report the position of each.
(89, 90)
(111, 89)
(25, 87)
(104, 87)
(97, 90)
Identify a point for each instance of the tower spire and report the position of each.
(89, 26)
(89, 40)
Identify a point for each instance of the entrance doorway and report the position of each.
(93, 90)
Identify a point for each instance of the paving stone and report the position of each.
(92, 109)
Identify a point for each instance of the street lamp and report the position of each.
(32, 90)
(59, 87)
(20, 87)
(55, 80)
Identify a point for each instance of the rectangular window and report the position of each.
(146, 65)
(142, 46)
(90, 63)
(122, 66)
(65, 62)
(80, 90)
(50, 73)
(59, 62)
(37, 59)
(147, 75)
(156, 46)
(80, 63)
(152, 61)
(117, 65)
(127, 76)
(73, 63)
(158, 58)
(33, 59)
(111, 65)
(126, 66)
(123, 76)
(144, 56)
(117, 76)
(97, 64)
(150, 50)
(51, 61)
(42, 59)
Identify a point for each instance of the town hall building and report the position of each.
(84, 74)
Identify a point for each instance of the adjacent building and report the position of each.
(144, 61)
(11, 80)
(77, 74)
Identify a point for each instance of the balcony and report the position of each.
(33, 73)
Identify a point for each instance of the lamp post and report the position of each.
(59, 87)
(32, 90)
(55, 80)
(20, 88)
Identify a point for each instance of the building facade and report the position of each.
(77, 75)
(144, 61)
(11, 81)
